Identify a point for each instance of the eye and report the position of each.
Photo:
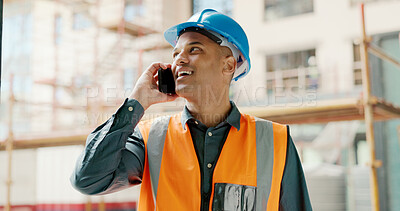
(194, 49)
(174, 54)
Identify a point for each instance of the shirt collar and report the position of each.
(233, 117)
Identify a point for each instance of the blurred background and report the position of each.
(68, 65)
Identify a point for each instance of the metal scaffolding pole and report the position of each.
(9, 145)
(367, 46)
(369, 116)
(378, 52)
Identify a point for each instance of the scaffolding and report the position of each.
(367, 107)
(125, 32)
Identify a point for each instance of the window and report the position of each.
(275, 9)
(58, 29)
(361, 149)
(134, 9)
(129, 78)
(223, 6)
(81, 21)
(292, 72)
(357, 75)
(18, 31)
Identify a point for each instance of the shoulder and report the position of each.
(149, 122)
(264, 122)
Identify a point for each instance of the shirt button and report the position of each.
(209, 165)
(130, 108)
(196, 122)
(209, 134)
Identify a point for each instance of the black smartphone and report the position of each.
(166, 83)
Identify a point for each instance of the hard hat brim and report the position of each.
(172, 33)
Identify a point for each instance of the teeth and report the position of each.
(181, 73)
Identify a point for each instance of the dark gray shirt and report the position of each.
(113, 158)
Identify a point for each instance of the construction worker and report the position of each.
(208, 157)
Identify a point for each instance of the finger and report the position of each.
(167, 65)
(155, 77)
(163, 66)
(154, 67)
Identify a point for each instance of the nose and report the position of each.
(181, 58)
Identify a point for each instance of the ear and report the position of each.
(229, 65)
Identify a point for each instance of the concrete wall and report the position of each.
(42, 177)
(24, 174)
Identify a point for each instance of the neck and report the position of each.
(210, 113)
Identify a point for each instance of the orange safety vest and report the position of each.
(249, 169)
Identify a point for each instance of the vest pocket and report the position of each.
(234, 197)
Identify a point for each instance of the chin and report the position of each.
(184, 93)
(188, 92)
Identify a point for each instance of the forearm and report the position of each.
(114, 153)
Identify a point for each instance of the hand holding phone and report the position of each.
(146, 91)
(166, 83)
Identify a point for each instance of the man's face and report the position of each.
(197, 65)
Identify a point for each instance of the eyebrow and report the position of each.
(191, 43)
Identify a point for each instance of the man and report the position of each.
(209, 157)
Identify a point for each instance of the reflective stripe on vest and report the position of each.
(249, 169)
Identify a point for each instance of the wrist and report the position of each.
(143, 102)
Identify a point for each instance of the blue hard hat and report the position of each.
(213, 21)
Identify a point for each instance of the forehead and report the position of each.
(190, 37)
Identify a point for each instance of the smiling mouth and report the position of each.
(184, 73)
